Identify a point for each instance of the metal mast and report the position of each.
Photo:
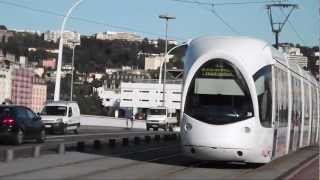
(277, 26)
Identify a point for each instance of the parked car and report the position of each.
(61, 116)
(18, 123)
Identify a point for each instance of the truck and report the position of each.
(161, 117)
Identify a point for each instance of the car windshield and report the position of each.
(54, 110)
(157, 112)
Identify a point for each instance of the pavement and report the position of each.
(282, 167)
(76, 164)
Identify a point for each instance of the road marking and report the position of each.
(97, 134)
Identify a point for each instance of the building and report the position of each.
(23, 61)
(22, 86)
(109, 97)
(39, 93)
(5, 80)
(294, 54)
(69, 37)
(147, 94)
(142, 94)
(49, 63)
(154, 61)
(7, 56)
(109, 35)
(5, 35)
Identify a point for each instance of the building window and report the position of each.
(144, 91)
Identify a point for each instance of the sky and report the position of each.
(141, 16)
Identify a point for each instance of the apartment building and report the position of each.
(39, 93)
(109, 35)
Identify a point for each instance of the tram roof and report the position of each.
(254, 53)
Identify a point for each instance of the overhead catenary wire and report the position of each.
(226, 3)
(215, 13)
(83, 19)
(294, 29)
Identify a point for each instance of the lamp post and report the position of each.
(168, 53)
(74, 44)
(59, 64)
(167, 18)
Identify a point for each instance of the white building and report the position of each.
(294, 54)
(109, 35)
(5, 81)
(23, 61)
(69, 37)
(144, 94)
(150, 94)
(153, 61)
(110, 97)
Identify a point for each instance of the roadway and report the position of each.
(163, 160)
(154, 160)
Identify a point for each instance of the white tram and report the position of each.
(243, 101)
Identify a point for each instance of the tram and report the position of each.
(244, 101)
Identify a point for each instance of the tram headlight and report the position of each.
(188, 126)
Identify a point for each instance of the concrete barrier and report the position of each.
(97, 144)
(80, 145)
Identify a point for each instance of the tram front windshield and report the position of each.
(218, 94)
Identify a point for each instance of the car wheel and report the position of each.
(19, 136)
(42, 136)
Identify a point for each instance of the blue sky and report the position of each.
(142, 15)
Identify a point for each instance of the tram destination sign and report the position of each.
(216, 72)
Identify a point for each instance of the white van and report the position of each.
(161, 117)
(61, 116)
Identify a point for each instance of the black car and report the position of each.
(18, 123)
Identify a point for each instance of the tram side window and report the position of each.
(314, 114)
(281, 80)
(296, 101)
(306, 105)
(263, 83)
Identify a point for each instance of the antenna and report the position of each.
(277, 26)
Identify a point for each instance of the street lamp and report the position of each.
(168, 53)
(59, 64)
(167, 18)
(74, 44)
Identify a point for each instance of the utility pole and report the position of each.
(167, 18)
(277, 26)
